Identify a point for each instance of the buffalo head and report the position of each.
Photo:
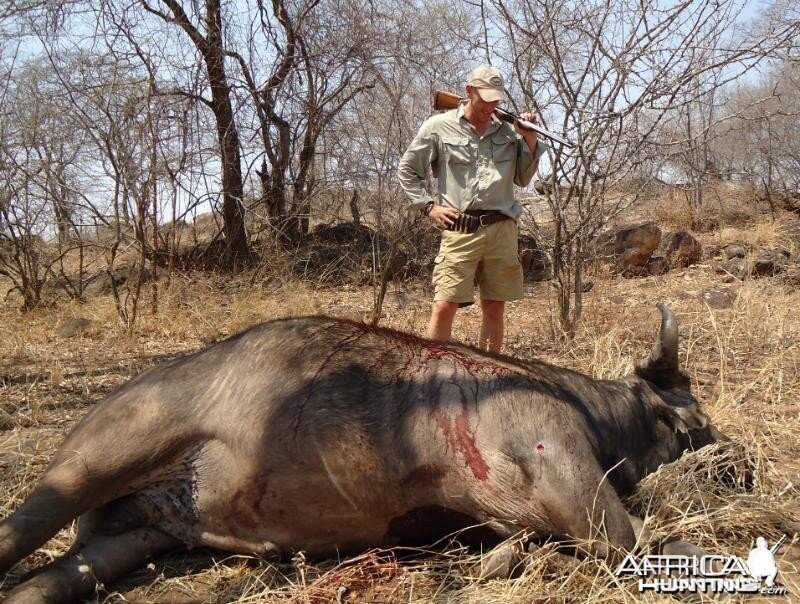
(673, 402)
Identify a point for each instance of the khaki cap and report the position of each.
(488, 81)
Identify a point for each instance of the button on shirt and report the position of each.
(475, 172)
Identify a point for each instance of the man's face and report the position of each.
(481, 110)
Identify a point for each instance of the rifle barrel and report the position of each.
(509, 117)
(778, 543)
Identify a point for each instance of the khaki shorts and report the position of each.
(491, 254)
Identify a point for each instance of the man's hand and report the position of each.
(529, 135)
(444, 216)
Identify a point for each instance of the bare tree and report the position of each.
(364, 143)
(760, 140)
(205, 28)
(612, 74)
(318, 54)
(20, 241)
(37, 155)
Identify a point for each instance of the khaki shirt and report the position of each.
(475, 172)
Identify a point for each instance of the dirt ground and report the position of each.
(744, 363)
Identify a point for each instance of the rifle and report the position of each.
(448, 100)
(774, 548)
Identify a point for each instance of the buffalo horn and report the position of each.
(664, 357)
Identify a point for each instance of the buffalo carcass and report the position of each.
(330, 436)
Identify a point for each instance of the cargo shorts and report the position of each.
(491, 254)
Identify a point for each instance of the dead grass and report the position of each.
(744, 363)
(764, 233)
(724, 204)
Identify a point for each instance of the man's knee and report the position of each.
(441, 323)
(443, 310)
(493, 308)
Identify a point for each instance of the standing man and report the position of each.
(477, 159)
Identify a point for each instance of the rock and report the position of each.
(736, 268)
(712, 250)
(541, 187)
(657, 265)
(719, 297)
(791, 277)
(629, 246)
(56, 284)
(769, 262)
(734, 250)
(536, 264)
(98, 285)
(6, 421)
(101, 283)
(682, 249)
(347, 253)
(74, 327)
(617, 300)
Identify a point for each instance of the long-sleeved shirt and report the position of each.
(475, 172)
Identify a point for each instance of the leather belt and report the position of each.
(471, 220)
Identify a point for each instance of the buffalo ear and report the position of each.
(681, 418)
(663, 368)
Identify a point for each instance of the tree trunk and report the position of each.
(228, 136)
(211, 48)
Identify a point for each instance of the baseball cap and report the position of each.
(488, 81)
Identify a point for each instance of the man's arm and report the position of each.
(532, 149)
(413, 168)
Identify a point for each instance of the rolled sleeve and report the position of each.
(527, 162)
(413, 168)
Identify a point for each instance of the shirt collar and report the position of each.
(495, 120)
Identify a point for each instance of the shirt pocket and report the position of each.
(457, 150)
(504, 148)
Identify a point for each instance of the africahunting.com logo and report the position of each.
(709, 574)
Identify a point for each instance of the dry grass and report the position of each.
(723, 204)
(744, 362)
(764, 233)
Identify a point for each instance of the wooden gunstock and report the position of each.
(443, 100)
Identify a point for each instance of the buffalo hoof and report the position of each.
(682, 548)
(501, 562)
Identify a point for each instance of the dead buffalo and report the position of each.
(330, 436)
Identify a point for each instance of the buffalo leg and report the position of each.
(572, 501)
(593, 514)
(52, 505)
(102, 559)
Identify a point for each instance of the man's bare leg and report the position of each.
(441, 323)
(492, 325)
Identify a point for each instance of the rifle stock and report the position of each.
(443, 100)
